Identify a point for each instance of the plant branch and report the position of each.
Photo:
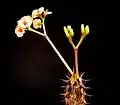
(30, 29)
(71, 42)
(55, 49)
(62, 59)
(80, 41)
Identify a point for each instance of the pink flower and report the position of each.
(19, 31)
(25, 21)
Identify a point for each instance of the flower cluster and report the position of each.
(40, 13)
(26, 21)
(68, 31)
(84, 30)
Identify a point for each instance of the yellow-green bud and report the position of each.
(37, 23)
(82, 28)
(66, 32)
(87, 30)
(68, 28)
(70, 31)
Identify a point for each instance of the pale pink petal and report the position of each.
(19, 31)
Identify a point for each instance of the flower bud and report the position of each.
(70, 31)
(37, 23)
(87, 30)
(82, 28)
(68, 28)
(35, 13)
(66, 32)
(41, 10)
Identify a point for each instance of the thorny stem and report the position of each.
(55, 49)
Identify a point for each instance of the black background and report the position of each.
(31, 70)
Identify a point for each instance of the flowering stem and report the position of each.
(62, 59)
(55, 49)
(76, 55)
(76, 71)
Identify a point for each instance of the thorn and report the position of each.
(85, 80)
(82, 91)
(85, 102)
(65, 90)
(88, 95)
(80, 79)
(85, 86)
(62, 97)
(63, 86)
(64, 80)
(67, 76)
(62, 94)
(62, 100)
(82, 74)
(81, 84)
(88, 88)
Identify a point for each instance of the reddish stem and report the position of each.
(76, 71)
